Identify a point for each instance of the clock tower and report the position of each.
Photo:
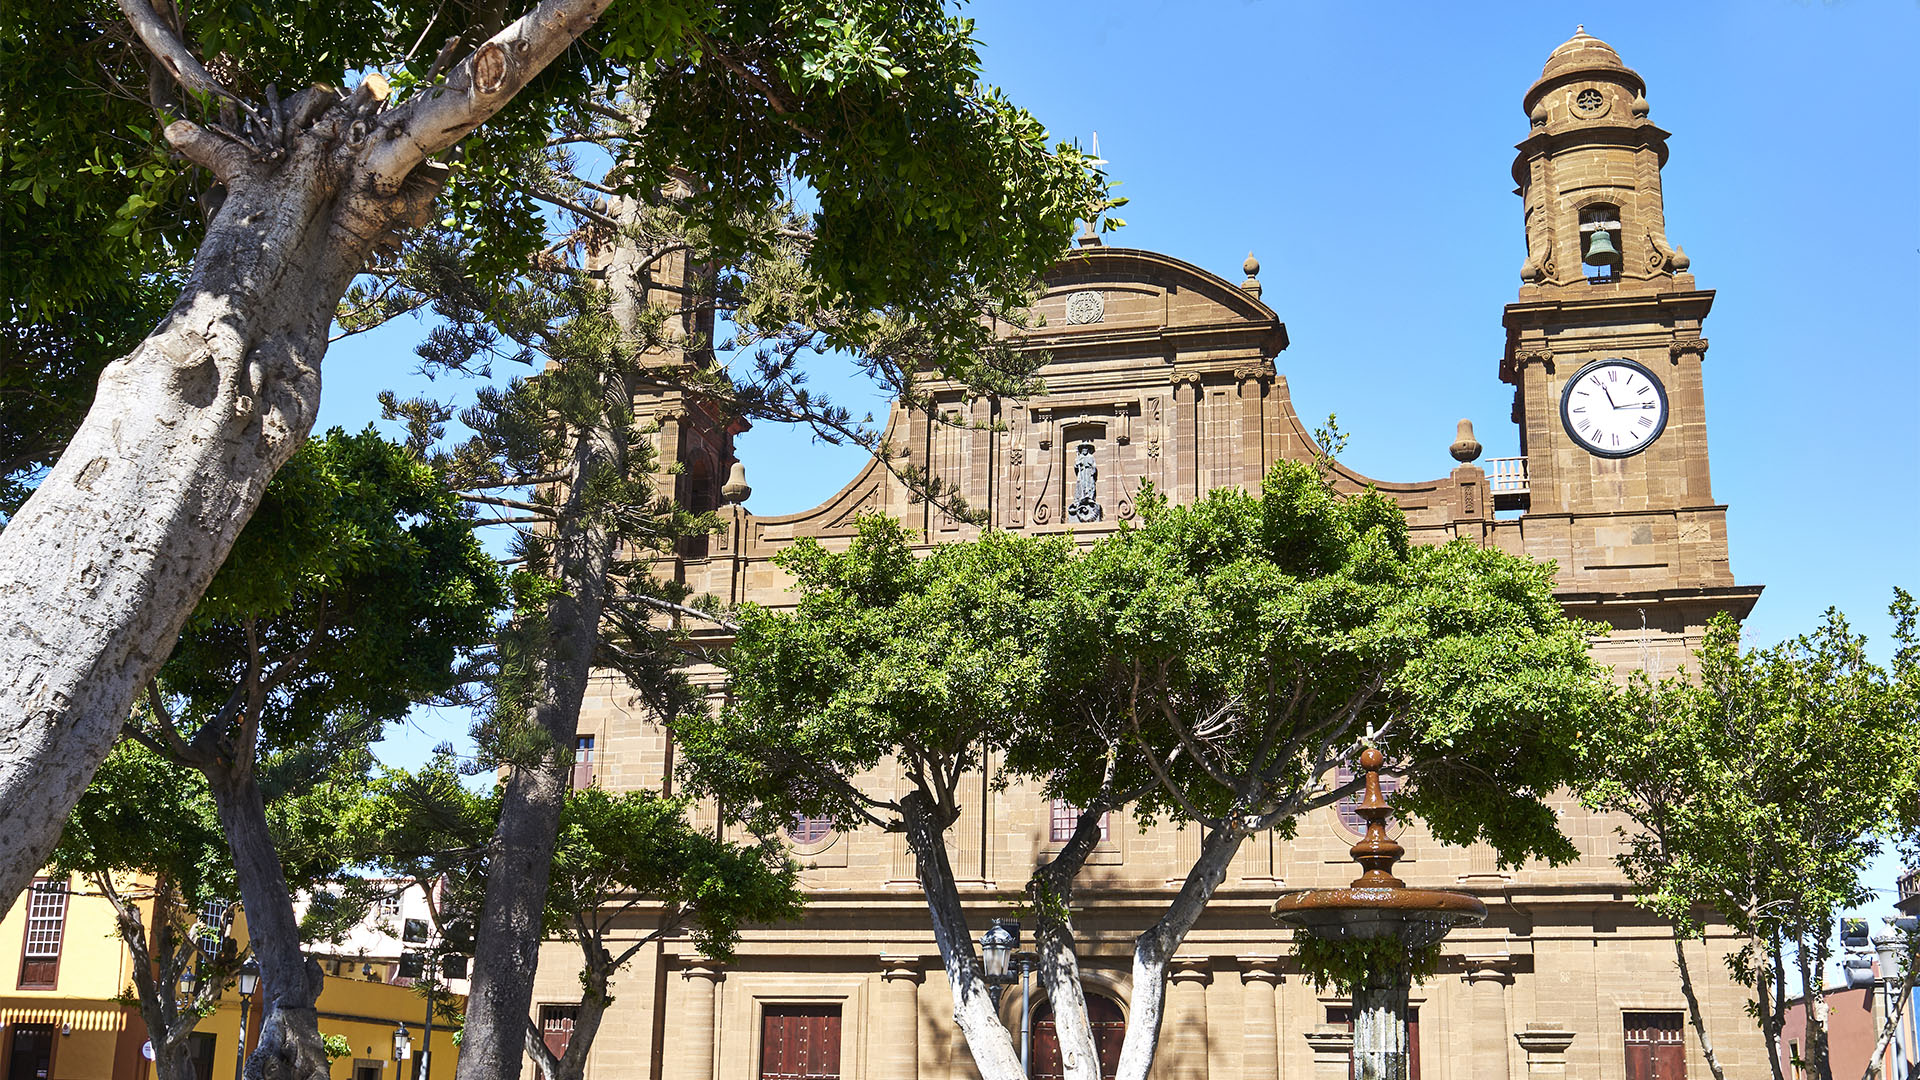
(1605, 350)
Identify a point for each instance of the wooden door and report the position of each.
(30, 1052)
(1656, 1046)
(800, 1042)
(1109, 1031)
(556, 1027)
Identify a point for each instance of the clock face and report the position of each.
(1614, 408)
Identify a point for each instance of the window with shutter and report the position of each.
(582, 762)
(556, 1027)
(46, 927)
(800, 1042)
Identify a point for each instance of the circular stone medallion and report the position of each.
(1086, 307)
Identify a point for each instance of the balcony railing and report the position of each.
(1507, 481)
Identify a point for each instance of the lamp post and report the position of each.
(1026, 958)
(997, 956)
(249, 978)
(402, 1043)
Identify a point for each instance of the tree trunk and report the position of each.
(1814, 998)
(158, 1011)
(1766, 1006)
(586, 1025)
(988, 1040)
(103, 565)
(520, 857)
(1050, 893)
(1694, 1015)
(1895, 1013)
(290, 1045)
(1153, 948)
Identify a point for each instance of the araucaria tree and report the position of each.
(1211, 667)
(1757, 788)
(925, 182)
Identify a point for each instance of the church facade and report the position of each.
(1160, 372)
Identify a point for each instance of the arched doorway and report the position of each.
(1109, 1031)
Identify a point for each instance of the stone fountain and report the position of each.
(1379, 906)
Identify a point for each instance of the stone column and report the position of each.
(1332, 1051)
(1487, 978)
(1187, 394)
(1259, 976)
(693, 1026)
(1252, 450)
(1185, 1033)
(1546, 1047)
(897, 1046)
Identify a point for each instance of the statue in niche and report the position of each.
(1083, 508)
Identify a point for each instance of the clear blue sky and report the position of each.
(1361, 151)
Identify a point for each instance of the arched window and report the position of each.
(1349, 807)
(1109, 1031)
(1600, 242)
(804, 830)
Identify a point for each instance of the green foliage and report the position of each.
(1345, 964)
(1247, 643)
(337, 1046)
(360, 569)
(641, 844)
(145, 815)
(1219, 658)
(1761, 785)
(886, 654)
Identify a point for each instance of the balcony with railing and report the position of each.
(1507, 482)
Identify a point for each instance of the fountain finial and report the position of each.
(1376, 852)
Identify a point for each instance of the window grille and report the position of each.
(1066, 819)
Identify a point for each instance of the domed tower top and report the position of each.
(1589, 172)
(1585, 59)
(1581, 52)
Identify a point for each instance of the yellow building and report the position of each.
(65, 1013)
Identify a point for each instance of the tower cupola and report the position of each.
(1589, 174)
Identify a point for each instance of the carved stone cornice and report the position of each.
(1261, 968)
(1262, 371)
(1544, 1040)
(1189, 969)
(1697, 346)
(910, 968)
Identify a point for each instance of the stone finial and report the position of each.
(1251, 286)
(1090, 237)
(1539, 114)
(1640, 105)
(1465, 447)
(1680, 261)
(735, 490)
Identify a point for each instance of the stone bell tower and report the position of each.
(1605, 352)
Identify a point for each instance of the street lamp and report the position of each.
(402, 1043)
(189, 982)
(997, 947)
(249, 978)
